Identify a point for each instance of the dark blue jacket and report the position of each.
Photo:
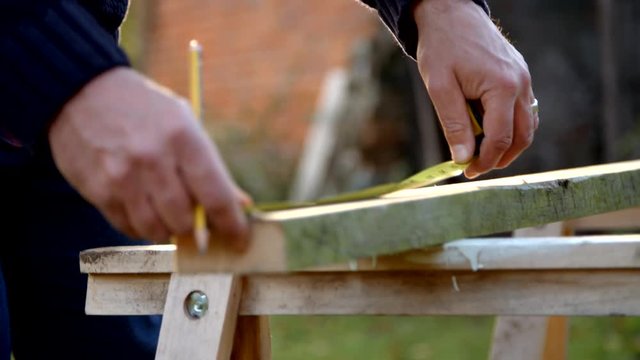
(49, 49)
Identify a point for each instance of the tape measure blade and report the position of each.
(433, 175)
(426, 177)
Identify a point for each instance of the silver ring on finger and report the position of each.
(534, 107)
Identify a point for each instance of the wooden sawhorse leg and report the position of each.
(253, 339)
(532, 337)
(529, 338)
(200, 315)
(201, 321)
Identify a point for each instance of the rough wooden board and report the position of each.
(580, 252)
(549, 292)
(266, 253)
(419, 293)
(418, 218)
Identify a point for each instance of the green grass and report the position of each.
(364, 337)
(605, 338)
(389, 338)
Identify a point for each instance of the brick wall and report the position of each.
(264, 60)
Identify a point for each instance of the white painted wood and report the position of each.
(578, 252)
(622, 251)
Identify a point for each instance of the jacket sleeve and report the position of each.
(398, 17)
(49, 49)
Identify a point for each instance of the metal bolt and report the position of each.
(196, 304)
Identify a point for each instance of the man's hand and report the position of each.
(136, 152)
(462, 55)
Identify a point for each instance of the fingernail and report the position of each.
(460, 154)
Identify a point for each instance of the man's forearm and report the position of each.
(398, 17)
(48, 51)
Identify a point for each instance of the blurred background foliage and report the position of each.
(262, 85)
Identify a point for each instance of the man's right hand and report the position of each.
(136, 152)
(462, 55)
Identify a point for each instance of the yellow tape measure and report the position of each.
(426, 177)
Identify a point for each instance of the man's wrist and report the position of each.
(423, 10)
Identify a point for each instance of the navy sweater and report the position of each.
(49, 49)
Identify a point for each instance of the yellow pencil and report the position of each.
(200, 231)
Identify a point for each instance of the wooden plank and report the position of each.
(604, 251)
(209, 337)
(302, 238)
(548, 292)
(418, 293)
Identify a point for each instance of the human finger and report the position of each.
(523, 131)
(245, 199)
(211, 186)
(451, 106)
(498, 132)
(170, 198)
(116, 215)
(143, 217)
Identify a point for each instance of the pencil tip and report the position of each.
(201, 236)
(194, 45)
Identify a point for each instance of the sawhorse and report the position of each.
(551, 276)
